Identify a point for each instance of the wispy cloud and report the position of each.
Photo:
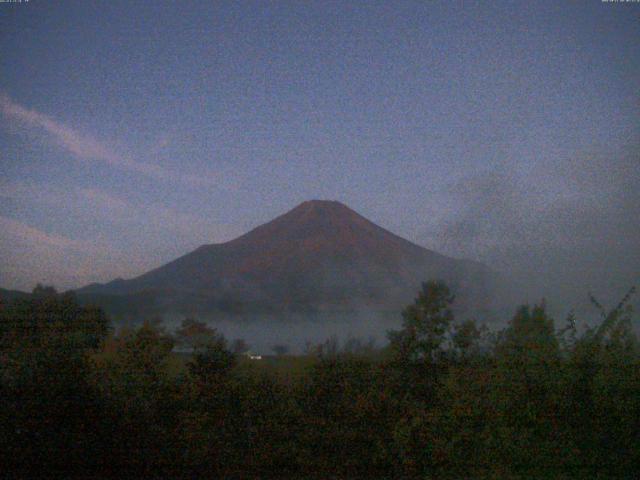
(97, 203)
(86, 148)
(16, 230)
(163, 218)
(106, 236)
(29, 255)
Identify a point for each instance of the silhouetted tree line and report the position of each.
(444, 399)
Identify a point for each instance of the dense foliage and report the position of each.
(445, 399)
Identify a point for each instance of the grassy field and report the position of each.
(287, 368)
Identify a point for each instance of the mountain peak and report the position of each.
(327, 205)
(322, 218)
(326, 219)
(321, 202)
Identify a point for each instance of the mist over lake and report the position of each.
(297, 331)
(320, 240)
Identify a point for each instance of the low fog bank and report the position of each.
(303, 331)
(296, 331)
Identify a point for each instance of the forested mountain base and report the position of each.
(445, 399)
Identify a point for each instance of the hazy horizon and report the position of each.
(506, 133)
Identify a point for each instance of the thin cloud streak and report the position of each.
(29, 255)
(124, 239)
(34, 236)
(85, 147)
(189, 225)
(93, 202)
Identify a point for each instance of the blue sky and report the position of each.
(133, 132)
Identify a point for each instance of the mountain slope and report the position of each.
(320, 255)
(10, 295)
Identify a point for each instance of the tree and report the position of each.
(603, 404)
(425, 324)
(239, 346)
(138, 393)
(194, 334)
(344, 430)
(280, 349)
(41, 291)
(529, 337)
(212, 410)
(49, 408)
(212, 359)
(525, 397)
(358, 346)
(466, 338)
